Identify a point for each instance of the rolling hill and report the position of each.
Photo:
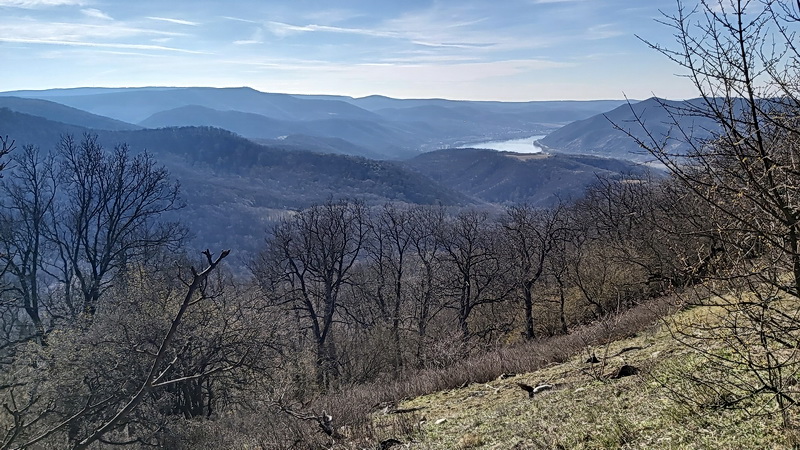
(65, 114)
(599, 136)
(504, 177)
(379, 140)
(233, 187)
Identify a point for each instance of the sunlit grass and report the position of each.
(588, 410)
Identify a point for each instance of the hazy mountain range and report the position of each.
(388, 128)
(245, 157)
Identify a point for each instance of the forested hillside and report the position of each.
(234, 188)
(507, 178)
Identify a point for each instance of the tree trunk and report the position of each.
(530, 331)
(562, 315)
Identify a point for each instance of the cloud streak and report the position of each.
(284, 29)
(176, 21)
(35, 4)
(96, 14)
(66, 31)
(99, 45)
(544, 2)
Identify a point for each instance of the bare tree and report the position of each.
(743, 59)
(387, 266)
(532, 235)
(29, 194)
(477, 273)
(6, 147)
(306, 264)
(113, 203)
(104, 409)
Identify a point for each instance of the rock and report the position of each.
(389, 443)
(625, 371)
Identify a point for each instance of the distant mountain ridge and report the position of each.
(381, 140)
(386, 127)
(64, 114)
(134, 105)
(599, 136)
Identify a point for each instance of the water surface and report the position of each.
(525, 145)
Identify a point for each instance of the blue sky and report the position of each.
(515, 50)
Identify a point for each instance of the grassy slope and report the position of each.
(586, 410)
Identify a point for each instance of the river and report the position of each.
(525, 145)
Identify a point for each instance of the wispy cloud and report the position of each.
(414, 30)
(332, 15)
(66, 31)
(452, 69)
(107, 35)
(453, 44)
(137, 54)
(239, 19)
(284, 29)
(96, 14)
(603, 31)
(540, 2)
(256, 38)
(98, 44)
(177, 21)
(33, 4)
(423, 58)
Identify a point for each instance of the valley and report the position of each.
(245, 158)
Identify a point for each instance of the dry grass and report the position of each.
(587, 410)
(469, 406)
(353, 407)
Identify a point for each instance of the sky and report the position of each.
(507, 50)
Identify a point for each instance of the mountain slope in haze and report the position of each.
(300, 178)
(234, 187)
(64, 114)
(26, 129)
(381, 140)
(504, 177)
(391, 128)
(317, 144)
(597, 135)
(563, 110)
(137, 104)
(452, 123)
